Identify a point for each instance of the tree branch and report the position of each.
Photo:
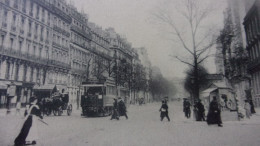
(184, 61)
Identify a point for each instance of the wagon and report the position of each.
(60, 102)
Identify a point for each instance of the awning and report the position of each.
(50, 87)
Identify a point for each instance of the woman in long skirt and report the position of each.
(29, 132)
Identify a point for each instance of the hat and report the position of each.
(32, 99)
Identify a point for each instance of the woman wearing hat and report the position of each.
(29, 132)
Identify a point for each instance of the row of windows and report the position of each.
(256, 83)
(254, 51)
(20, 22)
(58, 77)
(60, 56)
(59, 39)
(79, 39)
(252, 27)
(20, 72)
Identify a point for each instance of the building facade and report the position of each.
(49, 42)
(252, 28)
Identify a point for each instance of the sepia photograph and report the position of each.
(129, 72)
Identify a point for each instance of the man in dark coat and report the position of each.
(122, 108)
(115, 114)
(164, 111)
(186, 108)
(252, 106)
(200, 110)
(214, 113)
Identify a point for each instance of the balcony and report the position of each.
(60, 30)
(81, 32)
(78, 71)
(62, 14)
(23, 56)
(59, 63)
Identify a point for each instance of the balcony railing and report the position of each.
(81, 32)
(60, 30)
(78, 71)
(21, 55)
(59, 63)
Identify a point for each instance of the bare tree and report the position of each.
(199, 44)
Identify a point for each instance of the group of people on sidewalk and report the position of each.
(214, 112)
(119, 109)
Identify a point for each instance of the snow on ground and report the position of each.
(143, 128)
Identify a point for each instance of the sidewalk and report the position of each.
(3, 112)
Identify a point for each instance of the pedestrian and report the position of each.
(247, 107)
(29, 132)
(252, 106)
(18, 108)
(200, 111)
(164, 111)
(122, 108)
(115, 114)
(186, 108)
(214, 114)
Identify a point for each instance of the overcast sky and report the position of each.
(132, 18)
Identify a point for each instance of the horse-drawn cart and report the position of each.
(52, 101)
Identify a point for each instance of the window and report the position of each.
(24, 5)
(11, 43)
(42, 29)
(24, 72)
(31, 76)
(37, 12)
(20, 45)
(30, 26)
(14, 19)
(7, 70)
(34, 50)
(16, 72)
(40, 52)
(36, 28)
(22, 21)
(2, 40)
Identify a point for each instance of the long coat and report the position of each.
(121, 108)
(29, 130)
(213, 116)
